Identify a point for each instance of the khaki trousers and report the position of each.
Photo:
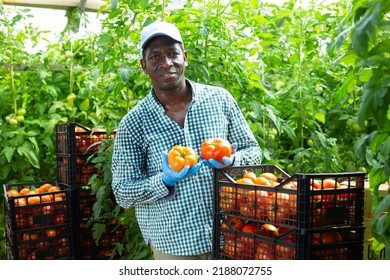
(161, 256)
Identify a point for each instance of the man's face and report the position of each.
(164, 61)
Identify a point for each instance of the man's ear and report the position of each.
(142, 61)
(185, 59)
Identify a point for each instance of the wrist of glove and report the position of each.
(226, 161)
(170, 177)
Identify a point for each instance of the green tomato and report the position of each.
(273, 131)
(350, 123)
(13, 121)
(362, 169)
(356, 127)
(290, 168)
(20, 118)
(21, 112)
(68, 54)
(70, 98)
(309, 142)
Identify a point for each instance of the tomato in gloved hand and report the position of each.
(216, 149)
(180, 156)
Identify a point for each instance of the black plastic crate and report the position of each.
(333, 243)
(33, 210)
(303, 201)
(72, 139)
(74, 170)
(86, 247)
(82, 204)
(38, 220)
(43, 243)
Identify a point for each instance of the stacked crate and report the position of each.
(304, 216)
(74, 145)
(38, 221)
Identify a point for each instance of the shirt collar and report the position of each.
(153, 101)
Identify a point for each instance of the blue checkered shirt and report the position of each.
(181, 225)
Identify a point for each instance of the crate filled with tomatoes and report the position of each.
(38, 221)
(266, 195)
(74, 170)
(90, 247)
(87, 243)
(72, 139)
(237, 239)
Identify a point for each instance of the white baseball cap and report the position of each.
(159, 28)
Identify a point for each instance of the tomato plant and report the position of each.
(216, 149)
(334, 111)
(180, 156)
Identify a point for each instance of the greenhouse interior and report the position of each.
(293, 96)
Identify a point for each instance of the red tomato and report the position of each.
(285, 252)
(326, 238)
(235, 249)
(315, 184)
(285, 229)
(50, 233)
(264, 251)
(261, 202)
(270, 176)
(278, 210)
(330, 184)
(234, 223)
(227, 199)
(216, 149)
(251, 203)
(180, 156)
(268, 230)
(249, 244)
(246, 202)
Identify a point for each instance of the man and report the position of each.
(174, 209)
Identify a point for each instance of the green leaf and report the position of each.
(365, 75)
(377, 177)
(5, 171)
(9, 152)
(125, 74)
(342, 92)
(98, 230)
(27, 151)
(143, 4)
(380, 48)
(84, 106)
(363, 31)
(34, 142)
(320, 117)
(380, 223)
(103, 40)
(95, 73)
(113, 4)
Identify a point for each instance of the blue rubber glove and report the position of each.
(170, 177)
(226, 161)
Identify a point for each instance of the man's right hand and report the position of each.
(170, 177)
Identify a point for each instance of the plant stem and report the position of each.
(13, 88)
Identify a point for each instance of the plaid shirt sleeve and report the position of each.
(181, 225)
